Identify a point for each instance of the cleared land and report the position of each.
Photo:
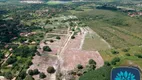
(73, 55)
(118, 29)
(94, 42)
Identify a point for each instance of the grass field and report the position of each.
(125, 60)
(116, 28)
(95, 42)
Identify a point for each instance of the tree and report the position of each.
(127, 54)
(51, 69)
(115, 60)
(72, 37)
(29, 77)
(138, 55)
(11, 60)
(22, 74)
(1, 55)
(58, 37)
(42, 75)
(8, 75)
(30, 72)
(47, 48)
(47, 21)
(107, 63)
(125, 49)
(91, 61)
(114, 52)
(79, 66)
(35, 71)
(51, 41)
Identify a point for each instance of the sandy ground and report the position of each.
(66, 54)
(42, 62)
(73, 55)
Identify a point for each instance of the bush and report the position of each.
(1, 55)
(42, 75)
(58, 37)
(11, 60)
(22, 74)
(125, 50)
(91, 61)
(138, 55)
(8, 75)
(35, 71)
(115, 60)
(92, 67)
(47, 48)
(29, 77)
(50, 69)
(127, 54)
(107, 63)
(114, 52)
(30, 72)
(73, 37)
(51, 41)
(79, 66)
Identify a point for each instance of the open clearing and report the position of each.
(73, 55)
(94, 42)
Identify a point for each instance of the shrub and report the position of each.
(51, 41)
(50, 69)
(42, 75)
(125, 50)
(114, 52)
(138, 55)
(73, 37)
(79, 66)
(47, 48)
(127, 54)
(116, 59)
(22, 74)
(35, 71)
(8, 75)
(79, 73)
(1, 55)
(11, 60)
(58, 37)
(29, 77)
(92, 67)
(107, 63)
(30, 72)
(91, 61)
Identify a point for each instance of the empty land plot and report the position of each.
(73, 55)
(94, 42)
(42, 62)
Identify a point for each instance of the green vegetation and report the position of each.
(42, 75)
(95, 42)
(91, 61)
(51, 69)
(29, 78)
(79, 66)
(118, 36)
(102, 73)
(47, 48)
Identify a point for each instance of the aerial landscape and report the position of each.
(69, 39)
